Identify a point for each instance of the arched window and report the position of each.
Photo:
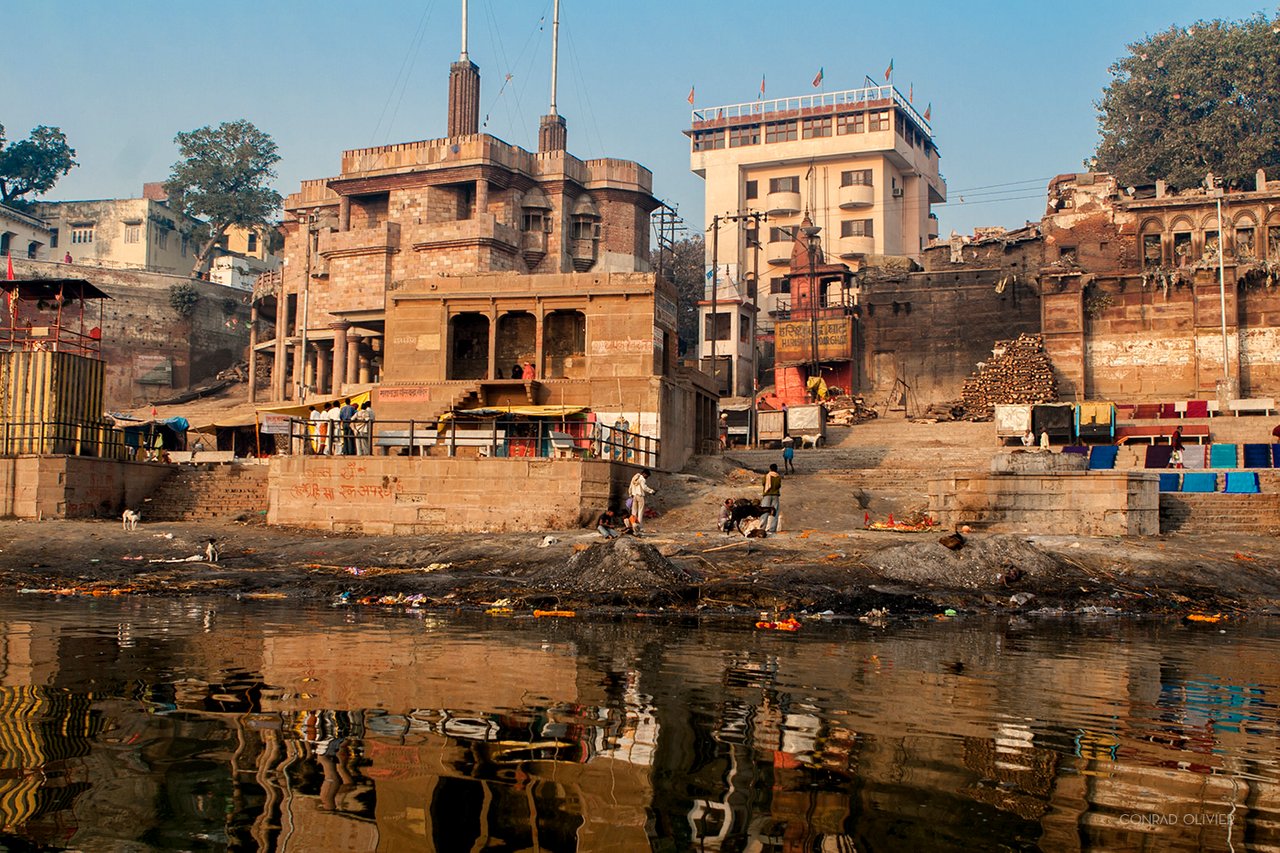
(517, 338)
(1152, 243)
(564, 338)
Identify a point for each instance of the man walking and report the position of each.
(637, 490)
(788, 454)
(772, 497)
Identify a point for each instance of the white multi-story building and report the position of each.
(861, 163)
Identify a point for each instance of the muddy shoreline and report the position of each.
(844, 573)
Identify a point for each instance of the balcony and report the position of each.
(778, 252)
(857, 195)
(582, 250)
(782, 204)
(931, 227)
(533, 246)
(381, 239)
(856, 245)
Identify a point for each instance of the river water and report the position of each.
(177, 725)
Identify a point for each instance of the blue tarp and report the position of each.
(1242, 483)
(1169, 482)
(1222, 456)
(1102, 457)
(1199, 481)
(1257, 456)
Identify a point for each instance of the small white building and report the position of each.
(23, 235)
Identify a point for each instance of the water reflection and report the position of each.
(164, 725)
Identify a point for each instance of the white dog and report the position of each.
(130, 519)
(810, 441)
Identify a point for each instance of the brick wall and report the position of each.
(140, 327)
(1094, 503)
(375, 494)
(75, 486)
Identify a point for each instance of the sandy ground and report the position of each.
(823, 561)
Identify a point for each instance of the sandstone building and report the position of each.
(432, 267)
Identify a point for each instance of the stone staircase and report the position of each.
(200, 492)
(1218, 513)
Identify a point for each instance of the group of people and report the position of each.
(767, 521)
(1029, 439)
(345, 430)
(523, 371)
(612, 523)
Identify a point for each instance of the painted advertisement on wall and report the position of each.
(794, 340)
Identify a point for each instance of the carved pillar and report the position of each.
(537, 344)
(299, 369)
(319, 369)
(344, 213)
(495, 370)
(338, 371)
(353, 355)
(366, 369)
(482, 196)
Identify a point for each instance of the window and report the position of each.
(780, 131)
(1244, 242)
(252, 245)
(583, 228)
(53, 238)
(534, 221)
(742, 329)
(185, 244)
(789, 184)
(780, 235)
(6, 238)
(779, 284)
(708, 140)
(851, 123)
(753, 190)
(721, 324)
(1211, 243)
(856, 178)
(1182, 248)
(1273, 243)
(878, 121)
(1152, 250)
(816, 128)
(82, 234)
(740, 136)
(162, 238)
(132, 233)
(857, 228)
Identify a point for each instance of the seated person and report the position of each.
(607, 524)
(726, 516)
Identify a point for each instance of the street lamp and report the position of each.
(811, 239)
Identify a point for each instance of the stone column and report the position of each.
(366, 369)
(495, 370)
(253, 352)
(353, 355)
(344, 213)
(537, 344)
(282, 331)
(339, 369)
(319, 370)
(299, 369)
(482, 197)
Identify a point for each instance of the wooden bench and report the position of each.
(1252, 405)
(1198, 433)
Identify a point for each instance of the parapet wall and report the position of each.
(40, 487)
(413, 495)
(1093, 503)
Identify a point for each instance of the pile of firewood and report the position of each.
(846, 410)
(1019, 371)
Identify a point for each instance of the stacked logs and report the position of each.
(1019, 371)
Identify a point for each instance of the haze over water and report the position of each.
(165, 725)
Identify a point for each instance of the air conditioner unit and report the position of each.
(897, 192)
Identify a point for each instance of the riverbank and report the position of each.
(849, 572)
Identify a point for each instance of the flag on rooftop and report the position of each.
(911, 93)
(690, 96)
(817, 79)
(888, 72)
(762, 85)
(928, 111)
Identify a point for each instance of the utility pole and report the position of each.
(811, 237)
(753, 218)
(715, 289)
(303, 384)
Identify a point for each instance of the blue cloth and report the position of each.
(1275, 456)
(1169, 482)
(1241, 483)
(788, 453)
(1103, 457)
(1076, 448)
(1199, 481)
(1222, 456)
(1158, 456)
(1257, 456)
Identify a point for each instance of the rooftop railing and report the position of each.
(779, 107)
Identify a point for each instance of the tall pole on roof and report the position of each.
(555, 53)
(464, 56)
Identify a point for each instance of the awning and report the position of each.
(302, 410)
(526, 411)
(231, 422)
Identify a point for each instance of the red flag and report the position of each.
(690, 96)
(11, 275)
(888, 72)
(911, 93)
(762, 85)
(817, 79)
(928, 111)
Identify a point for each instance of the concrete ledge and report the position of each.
(1094, 503)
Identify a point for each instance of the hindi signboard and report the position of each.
(794, 340)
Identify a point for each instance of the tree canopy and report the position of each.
(1186, 102)
(34, 164)
(685, 268)
(223, 179)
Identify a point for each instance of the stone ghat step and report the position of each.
(1219, 513)
(207, 493)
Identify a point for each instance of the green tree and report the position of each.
(34, 164)
(685, 267)
(1186, 102)
(223, 179)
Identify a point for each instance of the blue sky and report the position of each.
(1012, 85)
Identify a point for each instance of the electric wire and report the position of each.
(401, 81)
